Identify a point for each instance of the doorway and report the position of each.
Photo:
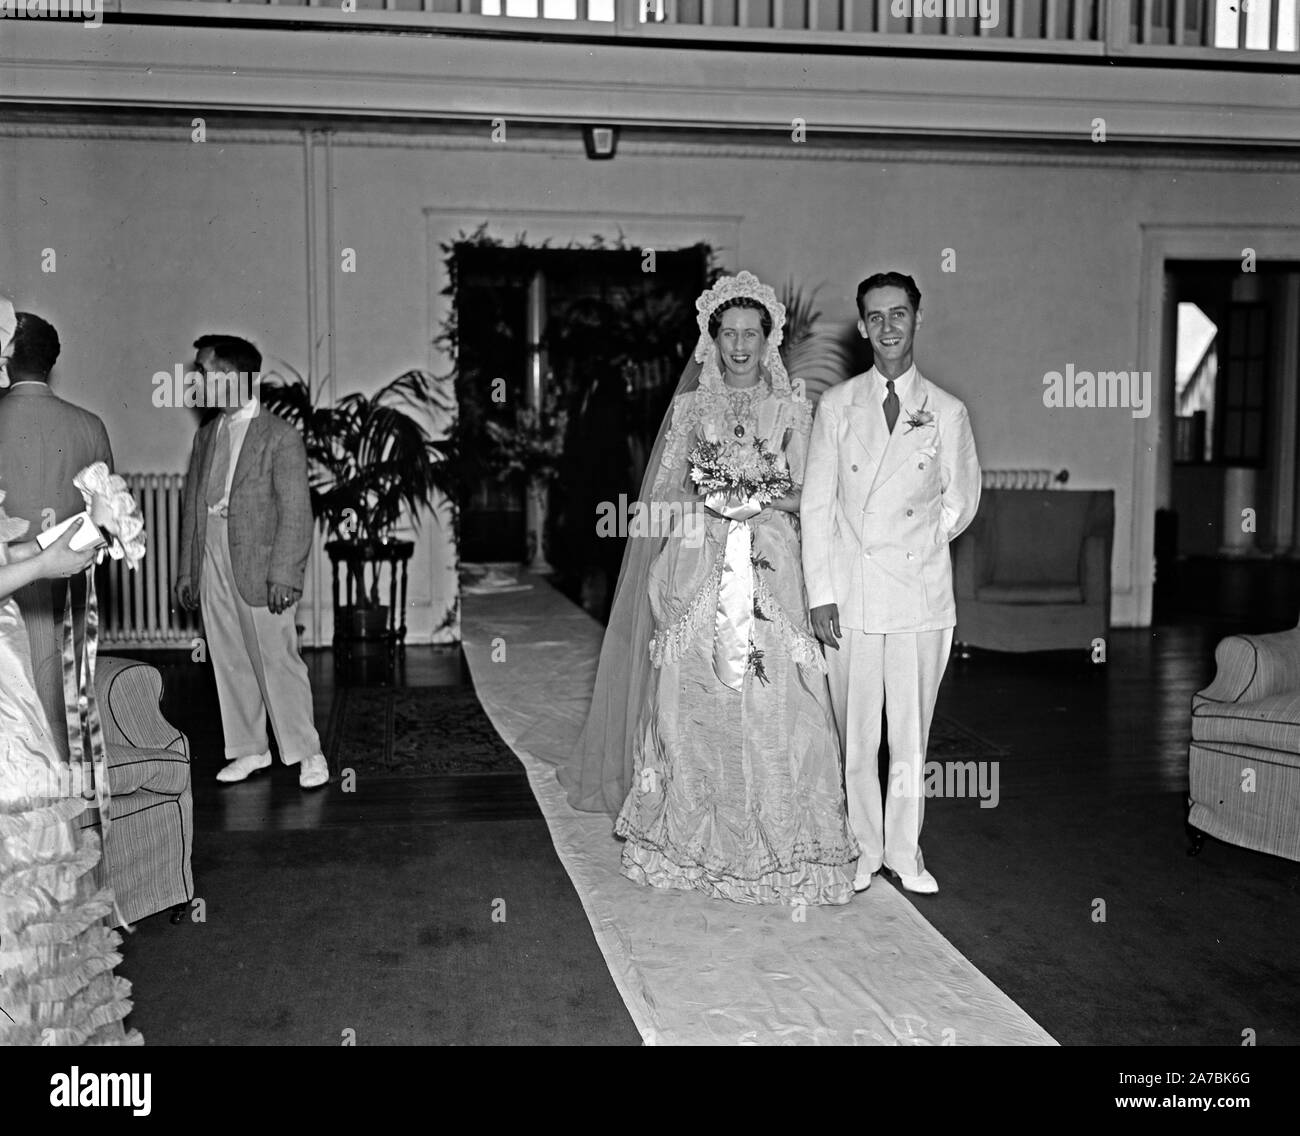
(567, 360)
(1228, 527)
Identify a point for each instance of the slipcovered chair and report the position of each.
(1032, 572)
(151, 812)
(1244, 762)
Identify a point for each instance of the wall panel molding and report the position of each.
(921, 152)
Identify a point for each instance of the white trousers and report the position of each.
(256, 662)
(899, 672)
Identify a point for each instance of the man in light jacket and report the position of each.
(246, 530)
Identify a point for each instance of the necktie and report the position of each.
(220, 464)
(891, 406)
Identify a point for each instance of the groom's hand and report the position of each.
(281, 597)
(826, 624)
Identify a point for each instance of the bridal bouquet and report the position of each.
(745, 470)
(113, 511)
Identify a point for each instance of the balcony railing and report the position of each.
(1218, 31)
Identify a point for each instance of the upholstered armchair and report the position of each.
(1244, 762)
(1032, 572)
(151, 812)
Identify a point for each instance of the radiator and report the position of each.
(1023, 478)
(137, 608)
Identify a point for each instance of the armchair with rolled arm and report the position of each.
(151, 811)
(1244, 761)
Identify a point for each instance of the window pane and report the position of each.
(1252, 448)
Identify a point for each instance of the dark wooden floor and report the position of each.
(1094, 756)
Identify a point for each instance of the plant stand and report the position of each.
(535, 519)
(364, 630)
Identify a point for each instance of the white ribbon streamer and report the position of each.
(733, 625)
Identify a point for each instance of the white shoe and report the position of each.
(314, 773)
(924, 884)
(240, 767)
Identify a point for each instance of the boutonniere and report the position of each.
(916, 419)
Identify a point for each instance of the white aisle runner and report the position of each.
(695, 970)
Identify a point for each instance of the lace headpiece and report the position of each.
(730, 288)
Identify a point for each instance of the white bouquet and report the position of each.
(111, 509)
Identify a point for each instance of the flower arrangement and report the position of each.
(533, 446)
(748, 471)
(113, 511)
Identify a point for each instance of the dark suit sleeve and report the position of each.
(103, 449)
(292, 543)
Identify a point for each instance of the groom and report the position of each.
(892, 477)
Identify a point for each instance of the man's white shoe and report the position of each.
(241, 767)
(924, 884)
(314, 773)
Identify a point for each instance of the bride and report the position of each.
(710, 730)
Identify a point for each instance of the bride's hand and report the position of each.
(732, 510)
(59, 561)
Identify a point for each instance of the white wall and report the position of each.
(159, 239)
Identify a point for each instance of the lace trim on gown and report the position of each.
(801, 646)
(672, 643)
(687, 413)
(804, 882)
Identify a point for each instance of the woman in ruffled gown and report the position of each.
(57, 949)
(711, 723)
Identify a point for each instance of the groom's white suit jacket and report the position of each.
(879, 509)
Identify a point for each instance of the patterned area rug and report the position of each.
(951, 741)
(440, 731)
(429, 731)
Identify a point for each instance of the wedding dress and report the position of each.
(57, 950)
(733, 792)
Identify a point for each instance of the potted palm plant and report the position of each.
(372, 460)
(819, 355)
